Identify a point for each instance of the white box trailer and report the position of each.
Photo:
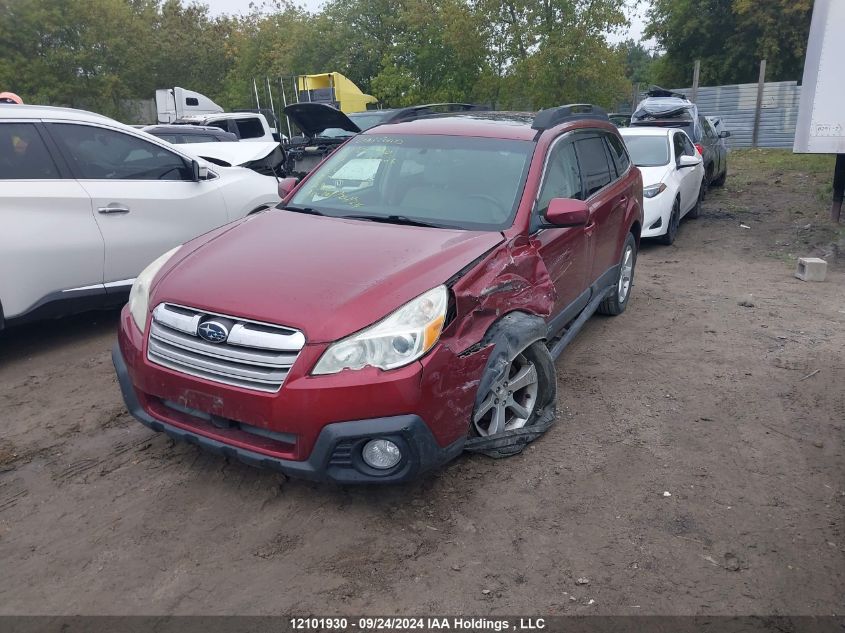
(821, 112)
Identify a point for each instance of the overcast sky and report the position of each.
(242, 6)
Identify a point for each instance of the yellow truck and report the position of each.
(333, 89)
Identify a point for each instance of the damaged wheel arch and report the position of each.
(515, 336)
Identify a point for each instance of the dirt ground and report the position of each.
(723, 385)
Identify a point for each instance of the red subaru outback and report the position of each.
(403, 303)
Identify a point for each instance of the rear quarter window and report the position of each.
(619, 153)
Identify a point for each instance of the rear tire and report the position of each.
(616, 302)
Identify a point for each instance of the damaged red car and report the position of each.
(404, 303)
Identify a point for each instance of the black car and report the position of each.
(190, 134)
(662, 108)
(324, 128)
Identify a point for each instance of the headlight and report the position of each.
(393, 342)
(653, 190)
(139, 296)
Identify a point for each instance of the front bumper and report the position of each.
(656, 212)
(336, 453)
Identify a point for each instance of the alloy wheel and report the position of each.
(511, 401)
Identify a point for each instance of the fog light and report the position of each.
(381, 454)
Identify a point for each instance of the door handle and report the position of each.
(113, 208)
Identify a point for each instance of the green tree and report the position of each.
(549, 52)
(639, 62)
(70, 53)
(101, 54)
(729, 37)
(105, 54)
(779, 30)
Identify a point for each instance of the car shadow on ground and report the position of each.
(51, 335)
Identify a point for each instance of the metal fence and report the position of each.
(736, 104)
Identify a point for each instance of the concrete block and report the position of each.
(811, 269)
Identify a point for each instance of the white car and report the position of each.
(87, 202)
(673, 177)
(265, 158)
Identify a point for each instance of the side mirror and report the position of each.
(724, 134)
(286, 185)
(567, 212)
(199, 171)
(688, 161)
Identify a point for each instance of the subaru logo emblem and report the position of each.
(213, 332)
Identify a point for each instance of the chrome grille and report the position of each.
(254, 356)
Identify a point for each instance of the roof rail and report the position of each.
(429, 109)
(550, 117)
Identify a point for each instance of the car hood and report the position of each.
(654, 175)
(328, 277)
(315, 118)
(231, 153)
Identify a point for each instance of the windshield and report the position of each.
(366, 120)
(449, 181)
(648, 151)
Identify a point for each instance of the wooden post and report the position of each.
(838, 188)
(696, 70)
(758, 109)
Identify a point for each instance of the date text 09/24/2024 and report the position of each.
(419, 624)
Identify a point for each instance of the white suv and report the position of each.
(87, 202)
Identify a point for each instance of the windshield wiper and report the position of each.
(395, 219)
(308, 210)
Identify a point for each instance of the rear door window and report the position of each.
(23, 154)
(593, 161)
(103, 154)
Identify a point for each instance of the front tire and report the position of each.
(708, 178)
(695, 212)
(617, 300)
(517, 399)
(668, 238)
(720, 181)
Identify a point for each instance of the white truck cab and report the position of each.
(178, 105)
(248, 126)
